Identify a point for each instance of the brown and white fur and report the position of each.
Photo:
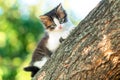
(57, 26)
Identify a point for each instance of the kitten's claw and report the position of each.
(61, 40)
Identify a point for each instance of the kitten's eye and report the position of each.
(62, 20)
(54, 25)
(51, 26)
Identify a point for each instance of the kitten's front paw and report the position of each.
(61, 40)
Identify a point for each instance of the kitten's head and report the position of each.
(54, 19)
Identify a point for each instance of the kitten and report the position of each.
(57, 28)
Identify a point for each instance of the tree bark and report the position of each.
(92, 51)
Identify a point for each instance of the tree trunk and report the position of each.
(92, 51)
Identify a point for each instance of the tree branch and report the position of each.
(92, 51)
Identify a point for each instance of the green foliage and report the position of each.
(18, 37)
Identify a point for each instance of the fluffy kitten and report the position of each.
(57, 27)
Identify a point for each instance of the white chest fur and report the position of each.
(53, 41)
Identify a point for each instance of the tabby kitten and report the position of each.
(57, 27)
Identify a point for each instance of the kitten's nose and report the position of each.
(60, 27)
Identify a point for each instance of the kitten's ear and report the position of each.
(44, 18)
(60, 11)
(59, 7)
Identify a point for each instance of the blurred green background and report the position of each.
(19, 34)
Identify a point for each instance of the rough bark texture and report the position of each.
(92, 51)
